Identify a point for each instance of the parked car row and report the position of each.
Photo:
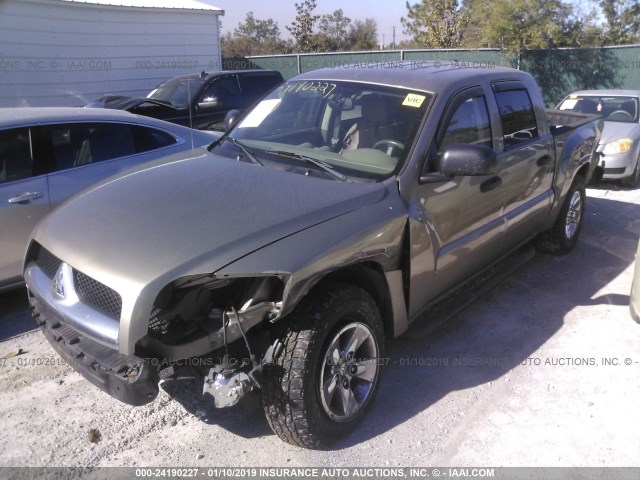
(49, 154)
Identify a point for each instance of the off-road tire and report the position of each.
(564, 234)
(291, 384)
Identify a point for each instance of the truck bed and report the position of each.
(566, 118)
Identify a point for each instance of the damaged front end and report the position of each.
(216, 329)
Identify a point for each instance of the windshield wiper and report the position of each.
(248, 153)
(324, 166)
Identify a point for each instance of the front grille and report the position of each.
(157, 325)
(46, 260)
(97, 295)
(614, 171)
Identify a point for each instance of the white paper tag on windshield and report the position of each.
(259, 113)
(568, 104)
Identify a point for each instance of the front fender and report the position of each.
(370, 234)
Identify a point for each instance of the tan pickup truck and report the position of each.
(322, 223)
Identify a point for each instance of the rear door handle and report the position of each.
(25, 198)
(544, 161)
(488, 185)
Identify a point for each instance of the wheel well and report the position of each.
(370, 277)
(583, 171)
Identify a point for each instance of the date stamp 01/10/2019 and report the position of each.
(21, 360)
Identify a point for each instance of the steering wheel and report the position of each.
(391, 146)
(624, 113)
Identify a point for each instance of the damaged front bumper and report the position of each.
(127, 378)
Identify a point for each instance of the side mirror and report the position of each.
(208, 103)
(466, 160)
(231, 118)
(463, 160)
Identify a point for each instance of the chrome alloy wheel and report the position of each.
(574, 215)
(349, 373)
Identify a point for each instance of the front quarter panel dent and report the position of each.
(369, 235)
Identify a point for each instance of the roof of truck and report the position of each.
(433, 76)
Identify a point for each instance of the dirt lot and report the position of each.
(541, 371)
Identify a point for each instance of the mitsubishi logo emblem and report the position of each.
(58, 285)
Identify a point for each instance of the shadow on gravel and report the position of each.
(14, 314)
(245, 419)
(614, 185)
(503, 328)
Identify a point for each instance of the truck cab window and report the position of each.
(469, 124)
(517, 117)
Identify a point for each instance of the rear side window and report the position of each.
(256, 86)
(147, 139)
(77, 144)
(16, 161)
(517, 117)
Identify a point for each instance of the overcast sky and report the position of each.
(386, 13)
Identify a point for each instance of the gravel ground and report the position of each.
(533, 373)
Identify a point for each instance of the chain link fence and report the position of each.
(558, 71)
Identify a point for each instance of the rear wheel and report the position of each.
(326, 376)
(564, 234)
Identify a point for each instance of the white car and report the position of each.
(49, 154)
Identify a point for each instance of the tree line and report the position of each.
(511, 25)
(310, 33)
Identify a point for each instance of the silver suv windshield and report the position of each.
(360, 130)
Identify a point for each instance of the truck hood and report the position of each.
(191, 216)
(616, 130)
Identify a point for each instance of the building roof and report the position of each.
(168, 4)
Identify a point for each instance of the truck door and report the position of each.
(24, 199)
(456, 223)
(528, 160)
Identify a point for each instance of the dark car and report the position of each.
(199, 100)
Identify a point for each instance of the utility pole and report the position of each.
(393, 45)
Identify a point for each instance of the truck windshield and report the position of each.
(613, 108)
(177, 91)
(360, 130)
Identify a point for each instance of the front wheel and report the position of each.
(326, 376)
(564, 234)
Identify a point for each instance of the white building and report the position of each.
(70, 52)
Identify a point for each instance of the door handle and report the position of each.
(488, 185)
(25, 198)
(544, 161)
